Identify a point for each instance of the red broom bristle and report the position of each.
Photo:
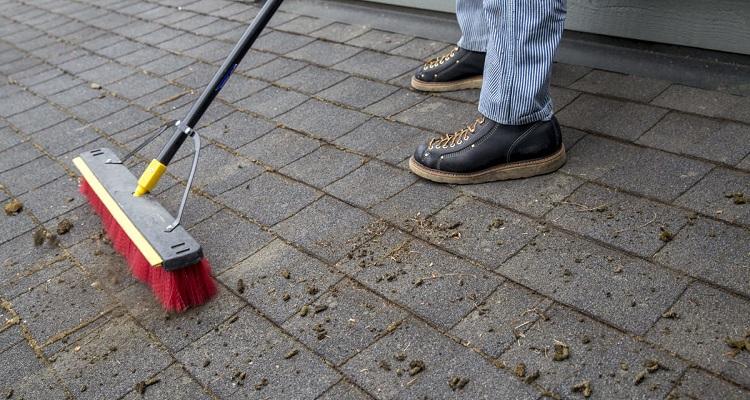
(176, 290)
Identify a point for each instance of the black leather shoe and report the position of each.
(487, 151)
(456, 70)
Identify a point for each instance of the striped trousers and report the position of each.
(520, 38)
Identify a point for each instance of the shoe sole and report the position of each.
(468, 83)
(517, 170)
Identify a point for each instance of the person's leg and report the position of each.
(474, 30)
(525, 35)
(517, 135)
(461, 67)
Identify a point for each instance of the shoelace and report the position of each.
(455, 138)
(440, 60)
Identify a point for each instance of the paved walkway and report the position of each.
(624, 275)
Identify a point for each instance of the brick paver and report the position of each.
(342, 275)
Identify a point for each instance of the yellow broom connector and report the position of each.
(150, 178)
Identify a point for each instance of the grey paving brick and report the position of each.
(99, 107)
(612, 117)
(158, 97)
(312, 79)
(18, 102)
(713, 196)
(8, 139)
(357, 92)
(625, 221)
(110, 360)
(176, 331)
(696, 384)
(339, 32)
(61, 304)
(123, 119)
(279, 279)
(142, 56)
(698, 101)
(65, 136)
(159, 36)
(212, 51)
(225, 247)
(272, 101)
(137, 85)
(561, 97)
(281, 42)
(31, 175)
(352, 318)
(377, 65)
(323, 166)
(120, 49)
(328, 227)
(421, 49)
(74, 96)
(621, 166)
(55, 85)
(740, 111)
(500, 319)
(324, 53)
(194, 76)
(26, 377)
(38, 118)
(35, 268)
(172, 382)
(270, 198)
(476, 230)
(53, 199)
(267, 148)
(82, 63)
(237, 129)
(275, 69)
(688, 134)
(533, 196)
(258, 353)
(713, 251)
(18, 154)
(626, 292)
(167, 64)
(428, 281)
(10, 334)
(35, 75)
(620, 85)
(567, 74)
(395, 103)
(239, 87)
(322, 120)
(609, 360)
(198, 208)
(415, 203)
(706, 317)
(468, 96)
(441, 115)
(344, 391)
(382, 181)
(303, 24)
(107, 73)
(379, 40)
(99, 259)
(418, 342)
(221, 171)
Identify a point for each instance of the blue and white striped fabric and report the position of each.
(520, 38)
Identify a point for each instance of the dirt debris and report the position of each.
(738, 344)
(520, 370)
(304, 310)
(497, 223)
(285, 273)
(13, 207)
(240, 286)
(291, 354)
(64, 226)
(457, 383)
(416, 366)
(562, 351)
(260, 385)
(738, 198)
(95, 86)
(141, 386)
(532, 377)
(665, 235)
(583, 387)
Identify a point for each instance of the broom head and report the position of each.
(171, 262)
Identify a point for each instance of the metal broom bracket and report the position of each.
(197, 149)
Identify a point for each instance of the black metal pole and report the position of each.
(217, 82)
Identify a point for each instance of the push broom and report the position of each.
(160, 252)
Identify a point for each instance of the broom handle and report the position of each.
(217, 82)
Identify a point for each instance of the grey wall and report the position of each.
(710, 24)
